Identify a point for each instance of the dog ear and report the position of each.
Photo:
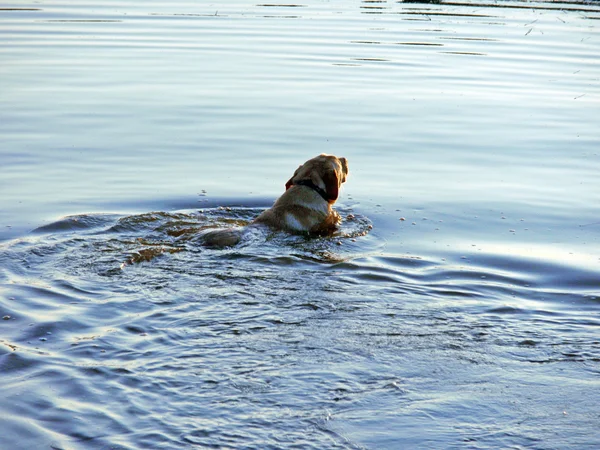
(344, 163)
(332, 185)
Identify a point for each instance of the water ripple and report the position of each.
(471, 323)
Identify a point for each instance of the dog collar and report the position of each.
(315, 188)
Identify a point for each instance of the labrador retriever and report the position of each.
(304, 207)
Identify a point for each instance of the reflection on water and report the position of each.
(457, 307)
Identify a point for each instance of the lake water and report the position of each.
(459, 308)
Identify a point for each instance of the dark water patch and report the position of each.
(20, 9)
(18, 362)
(371, 59)
(511, 310)
(444, 14)
(78, 222)
(465, 53)
(152, 221)
(469, 39)
(426, 44)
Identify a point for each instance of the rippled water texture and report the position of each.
(456, 307)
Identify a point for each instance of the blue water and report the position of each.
(457, 307)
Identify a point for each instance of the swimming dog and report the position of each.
(304, 207)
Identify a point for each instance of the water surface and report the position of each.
(457, 306)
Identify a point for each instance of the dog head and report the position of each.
(327, 172)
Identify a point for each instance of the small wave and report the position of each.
(76, 223)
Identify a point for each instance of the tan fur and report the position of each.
(301, 209)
